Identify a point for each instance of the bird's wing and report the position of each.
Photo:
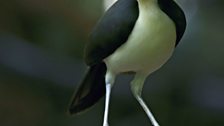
(112, 30)
(176, 14)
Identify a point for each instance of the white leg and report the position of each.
(109, 80)
(107, 101)
(147, 111)
(136, 86)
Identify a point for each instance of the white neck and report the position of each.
(146, 3)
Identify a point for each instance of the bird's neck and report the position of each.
(147, 3)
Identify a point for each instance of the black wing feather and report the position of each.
(90, 90)
(112, 31)
(176, 14)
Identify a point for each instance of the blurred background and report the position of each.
(41, 49)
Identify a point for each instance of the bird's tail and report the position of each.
(90, 90)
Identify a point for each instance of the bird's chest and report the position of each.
(154, 32)
(149, 45)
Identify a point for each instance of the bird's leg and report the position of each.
(147, 111)
(107, 101)
(109, 83)
(136, 86)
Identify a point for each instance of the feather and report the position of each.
(90, 90)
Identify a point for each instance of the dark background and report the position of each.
(41, 45)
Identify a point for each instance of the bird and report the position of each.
(133, 36)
